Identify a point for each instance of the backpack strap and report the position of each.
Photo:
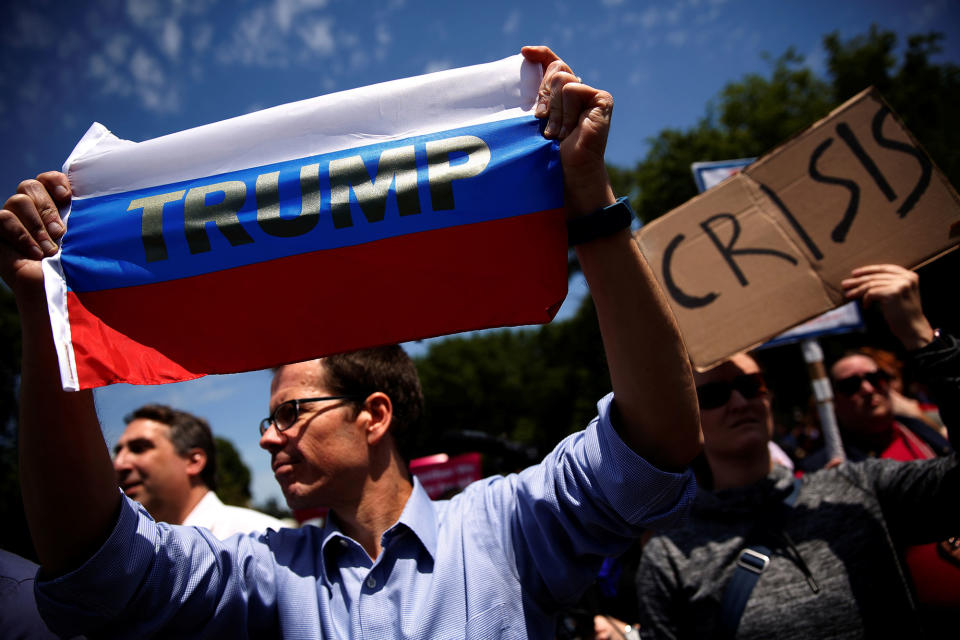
(751, 563)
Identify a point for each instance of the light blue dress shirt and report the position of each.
(496, 561)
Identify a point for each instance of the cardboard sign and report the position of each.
(843, 319)
(767, 248)
(404, 210)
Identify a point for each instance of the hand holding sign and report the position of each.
(896, 292)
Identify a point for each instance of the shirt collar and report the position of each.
(199, 514)
(419, 516)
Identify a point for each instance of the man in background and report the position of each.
(167, 461)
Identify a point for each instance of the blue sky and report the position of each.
(147, 68)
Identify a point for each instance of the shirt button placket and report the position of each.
(371, 582)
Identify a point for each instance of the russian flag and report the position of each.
(399, 211)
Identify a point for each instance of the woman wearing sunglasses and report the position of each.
(766, 554)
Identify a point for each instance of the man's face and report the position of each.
(862, 406)
(150, 470)
(742, 425)
(321, 460)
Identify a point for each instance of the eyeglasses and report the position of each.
(287, 413)
(714, 395)
(850, 385)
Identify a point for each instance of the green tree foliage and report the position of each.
(530, 385)
(926, 95)
(273, 507)
(756, 113)
(749, 117)
(233, 476)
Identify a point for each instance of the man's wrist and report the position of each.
(587, 191)
(936, 340)
(604, 221)
(920, 337)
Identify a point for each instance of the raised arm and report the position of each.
(653, 386)
(69, 490)
(936, 361)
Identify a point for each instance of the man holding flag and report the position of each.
(496, 561)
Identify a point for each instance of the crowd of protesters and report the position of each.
(725, 542)
(865, 547)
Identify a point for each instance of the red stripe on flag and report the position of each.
(499, 273)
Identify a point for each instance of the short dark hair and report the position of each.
(187, 432)
(387, 369)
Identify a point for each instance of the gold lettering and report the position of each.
(151, 223)
(441, 173)
(397, 167)
(197, 213)
(268, 203)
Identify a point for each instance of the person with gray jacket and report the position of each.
(818, 557)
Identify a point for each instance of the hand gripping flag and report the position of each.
(399, 211)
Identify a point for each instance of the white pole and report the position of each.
(823, 392)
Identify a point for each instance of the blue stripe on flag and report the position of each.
(105, 245)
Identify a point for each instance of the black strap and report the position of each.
(603, 222)
(751, 563)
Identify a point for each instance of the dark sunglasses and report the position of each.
(851, 384)
(716, 394)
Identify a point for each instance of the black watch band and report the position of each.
(603, 222)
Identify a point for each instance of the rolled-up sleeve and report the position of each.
(590, 498)
(639, 492)
(150, 576)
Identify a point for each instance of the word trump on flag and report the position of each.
(399, 211)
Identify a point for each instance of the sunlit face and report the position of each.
(741, 426)
(322, 459)
(150, 470)
(868, 410)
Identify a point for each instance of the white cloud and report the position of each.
(30, 29)
(650, 18)
(286, 11)
(677, 37)
(512, 24)
(202, 37)
(382, 35)
(317, 35)
(116, 47)
(383, 38)
(438, 65)
(145, 69)
(262, 36)
(143, 12)
(151, 84)
(816, 59)
(926, 15)
(171, 38)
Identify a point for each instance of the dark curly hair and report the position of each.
(187, 432)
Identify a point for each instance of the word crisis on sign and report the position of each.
(767, 248)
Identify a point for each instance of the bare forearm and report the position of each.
(66, 476)
(649, 367)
